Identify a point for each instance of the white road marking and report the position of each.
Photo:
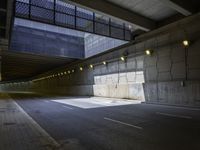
(173, 115)
(46, 101)
(127, 124)
(67, 107)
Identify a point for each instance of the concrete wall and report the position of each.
(120, 85)
(42, 42)
(171, 74)
(173, 93)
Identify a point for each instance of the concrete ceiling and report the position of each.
(153, 9)
(159, 10)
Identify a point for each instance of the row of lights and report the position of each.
(55, 75)
(91, 66)
(148, 52)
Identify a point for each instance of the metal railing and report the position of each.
(67, 15)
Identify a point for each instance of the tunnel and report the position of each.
(99, 75)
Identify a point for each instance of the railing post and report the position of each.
(54, 11)
(29, 13)
(93, 22)
(109, 27)
(75, 14)
(124, 30)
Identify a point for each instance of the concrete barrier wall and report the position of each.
(172, 74)
(120, 85)
(173, 93)
(127, 91)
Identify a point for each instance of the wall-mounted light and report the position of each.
(186, 43)
(61, 74)
(69, 72)
(122, 58)
(104, 62)
(65, 72)
(73, 71)
(91, 66)
(81, 68)
(149, 52)
(130, 27)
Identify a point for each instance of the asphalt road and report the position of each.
(127, 127)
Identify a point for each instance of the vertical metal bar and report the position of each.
(29, 15)
(93, 22)
(12, 23)
(75, 13)
(124, 30)
(109, 27)
(54, 11)
(14, 6)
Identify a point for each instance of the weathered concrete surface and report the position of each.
(175, 93)
(128, 91)
(119, 85)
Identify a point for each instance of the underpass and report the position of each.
(99, 75)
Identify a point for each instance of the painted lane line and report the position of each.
(46, 101)
(123, 123)
(67, 107)
(173, 115)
